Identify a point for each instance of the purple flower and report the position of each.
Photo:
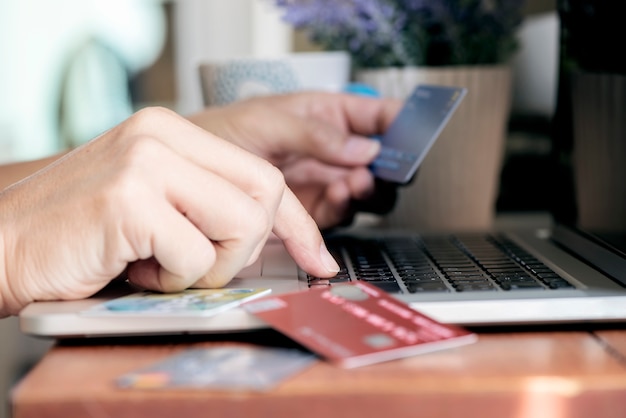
(410, 32)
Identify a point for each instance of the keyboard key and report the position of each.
(426, 287)
(475, 287)
(390, 287)
(522, 286)
(559, 284)
(420, 277)
(319, 282)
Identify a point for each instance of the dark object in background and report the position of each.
(592, 35)
(591, 43)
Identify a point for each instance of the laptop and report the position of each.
(571, 270)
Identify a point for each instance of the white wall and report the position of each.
(536, 66)
(218, 29)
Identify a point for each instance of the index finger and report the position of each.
(301, 237)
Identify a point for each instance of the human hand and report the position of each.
(320, 142)
(174, 204)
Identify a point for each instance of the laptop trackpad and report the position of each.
(252, 271)
(274, 261)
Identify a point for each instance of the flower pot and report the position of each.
(457, 184)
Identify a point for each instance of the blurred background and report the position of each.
(70, 69)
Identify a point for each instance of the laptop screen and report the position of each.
(589, 135)
(590, 155)
(589, 138)
(589, 199)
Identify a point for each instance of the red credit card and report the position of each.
(356, 324)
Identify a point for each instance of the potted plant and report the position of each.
(401, 33)
(397, 44)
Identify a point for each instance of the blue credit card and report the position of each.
(414, 131)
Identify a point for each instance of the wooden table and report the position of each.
(530, 374)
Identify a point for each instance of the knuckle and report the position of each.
(143, 122)
(268, 184)
(150, 115)
(255, 223)
(273, 179)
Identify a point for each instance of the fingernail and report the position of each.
(328, 260)
(359, 148)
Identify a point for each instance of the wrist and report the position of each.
(4, 288)
(10, 303)
(217, 121)
(205, 119)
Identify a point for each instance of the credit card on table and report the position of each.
(221, 368)
(190, 302)
(355, 324)
(414, 131)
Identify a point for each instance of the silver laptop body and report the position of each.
(583, 293)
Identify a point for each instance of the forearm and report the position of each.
(14, 172)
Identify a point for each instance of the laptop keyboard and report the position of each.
(472, 263)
